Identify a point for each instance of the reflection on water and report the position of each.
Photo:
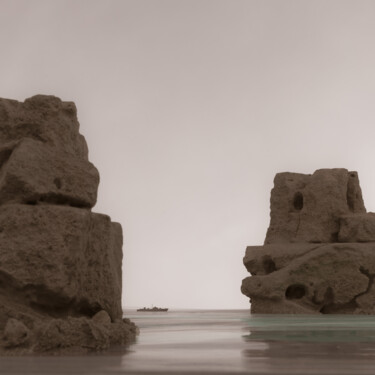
(235, 342)
(227, 342)
(301, 344)
(312, 328)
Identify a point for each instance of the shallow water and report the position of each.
(226, 342)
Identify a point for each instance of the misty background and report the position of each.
(189, 108)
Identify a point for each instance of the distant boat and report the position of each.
(153, 309)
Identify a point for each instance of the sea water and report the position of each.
(225, 342)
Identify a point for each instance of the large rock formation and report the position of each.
(319, 251)
(60, 264)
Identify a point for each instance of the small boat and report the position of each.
(153, 309)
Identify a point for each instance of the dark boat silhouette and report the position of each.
(153, 309)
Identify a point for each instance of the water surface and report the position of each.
(226, 342)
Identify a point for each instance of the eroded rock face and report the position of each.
(60, 264)
(43, 118)
(33, 171)
(307, 208)
(319, 252)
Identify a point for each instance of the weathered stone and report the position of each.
(365, 302)
(102, 317)
(307, 208)
(327, 279)
(70, 335)
(15, 333)
(63, 335)
(34, 172)
(60, 264)
(61, 258)
(262, 260)
(43, 118)
(357, 228)
(303, 268)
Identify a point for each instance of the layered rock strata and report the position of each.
(319, 252)
(60, 263)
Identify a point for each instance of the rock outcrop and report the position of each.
(60, 263)
(319, 251)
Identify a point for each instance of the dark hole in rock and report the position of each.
(57, 182)
(268, 264)
(335, 237)
(32, 202)
(4, 156)
(351, 192)
(298, 201)
(295, 291)
(350, 201)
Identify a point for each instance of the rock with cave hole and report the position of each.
(307, 208)
(319, 251)
(60, 264)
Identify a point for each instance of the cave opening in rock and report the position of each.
(268, 264)
(295, 291)
(351, 194)
(298, 201)
(57, 182)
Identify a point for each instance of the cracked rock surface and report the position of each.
(319, 252)
(60, 263)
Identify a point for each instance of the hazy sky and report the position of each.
(189, 109)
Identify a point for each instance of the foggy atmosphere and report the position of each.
(189, 109)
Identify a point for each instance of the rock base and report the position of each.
(311, 278)
(65, 336)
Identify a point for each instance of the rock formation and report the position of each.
(60, 263)
(319, 251)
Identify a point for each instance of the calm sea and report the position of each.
(226, 342)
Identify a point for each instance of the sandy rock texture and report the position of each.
(319, 251)
(60, 263)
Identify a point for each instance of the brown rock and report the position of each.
(34, 172)
(61, 258)
(71, 333)
(307, 208)
(327, 279)
(44, 118)
(60, 264)
(15, 333)
(357, 228)
(74, 335)
(365, 301)
(303, 268)
(10, 307)
(102, 317)
(262, 260)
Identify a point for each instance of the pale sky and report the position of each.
(189, 108)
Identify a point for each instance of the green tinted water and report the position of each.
(311, 328)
